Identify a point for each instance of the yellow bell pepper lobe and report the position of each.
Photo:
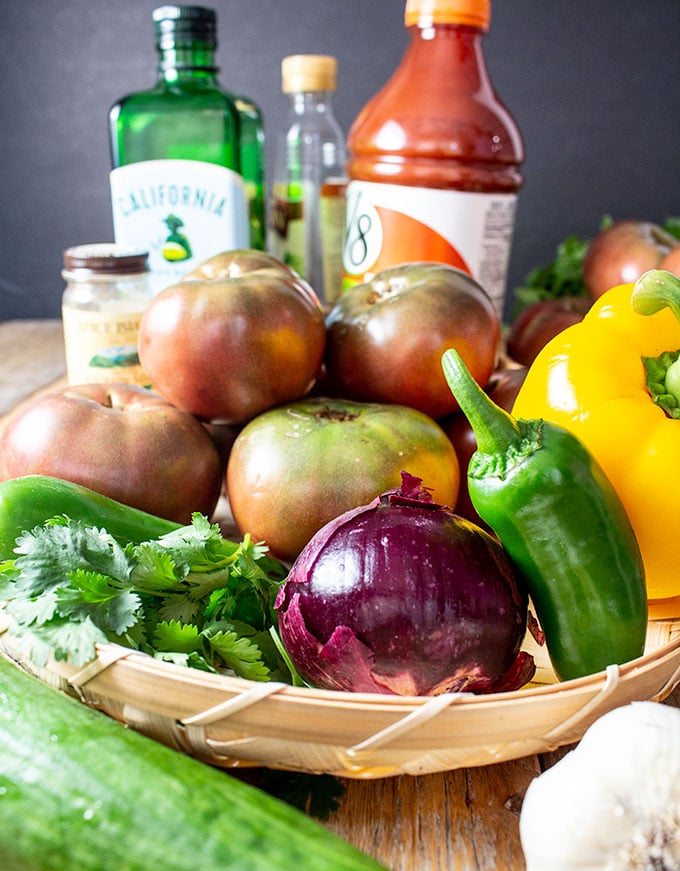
(593, 379)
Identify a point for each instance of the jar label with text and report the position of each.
(181, 211)
(392, 224)
(101, 346)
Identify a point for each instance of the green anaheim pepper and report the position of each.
(563, 525)
(29, 501)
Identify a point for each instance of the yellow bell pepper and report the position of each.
(592, 380)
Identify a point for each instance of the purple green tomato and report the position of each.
(386, 337)
(295, 467)
(239, 334)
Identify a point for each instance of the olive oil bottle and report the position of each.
(188, 157)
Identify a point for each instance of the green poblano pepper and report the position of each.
(29, 501)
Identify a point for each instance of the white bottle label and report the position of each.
(392, 224)
(181, 211)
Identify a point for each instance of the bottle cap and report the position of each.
(474, 13)
(183, 25)
(308, 72)
(106, 258)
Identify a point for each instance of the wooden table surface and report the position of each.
(460, 820)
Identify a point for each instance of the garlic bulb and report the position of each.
(612, 803)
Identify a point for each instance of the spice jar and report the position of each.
(107, 291)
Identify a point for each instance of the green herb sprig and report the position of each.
(191, 597)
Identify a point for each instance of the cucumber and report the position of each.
(80, 792)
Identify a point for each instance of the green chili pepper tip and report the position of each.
(496, 431)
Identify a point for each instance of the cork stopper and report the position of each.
(308, 72)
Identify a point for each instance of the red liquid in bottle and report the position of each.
(435, 156)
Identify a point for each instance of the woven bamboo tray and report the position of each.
(230, 722)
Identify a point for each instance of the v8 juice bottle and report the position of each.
(435, 156)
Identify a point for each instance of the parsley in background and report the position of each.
(672, 226)
(561, 277)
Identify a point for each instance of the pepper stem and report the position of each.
(672, 381)
(654, 290)
(496, 431)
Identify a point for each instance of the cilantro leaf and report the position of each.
(562, 277)
(91, 596)
(198, 547)
(672, 225)
(186, 660)
(239, 653)
(191, 597)
(38, 609)
(176, 606)
(155, 570)
(49, 553)
(8, 577)
(176, 636)
(62, 638)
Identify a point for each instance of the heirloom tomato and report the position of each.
(622, 252)
(540, 321)
(241, 333)
(294, 468)
(671, 261)
(123, 441)
(386, 337)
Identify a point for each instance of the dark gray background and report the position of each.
(594, 85)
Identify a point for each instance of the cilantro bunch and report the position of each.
(190, 597)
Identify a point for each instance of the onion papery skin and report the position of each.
(404, 597)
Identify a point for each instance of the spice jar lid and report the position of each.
(474, 13)
(106, 258)
(308, 72)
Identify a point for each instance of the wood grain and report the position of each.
(455, 821)
(32, 355)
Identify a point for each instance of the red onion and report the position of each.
(403, 596)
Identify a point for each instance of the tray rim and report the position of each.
(227, 721)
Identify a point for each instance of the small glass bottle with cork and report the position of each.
(307, 204)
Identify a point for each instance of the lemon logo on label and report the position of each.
(174, 251)
(176, 247)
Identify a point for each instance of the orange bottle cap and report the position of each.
(475, 13)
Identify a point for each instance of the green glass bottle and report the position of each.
(188, 156)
